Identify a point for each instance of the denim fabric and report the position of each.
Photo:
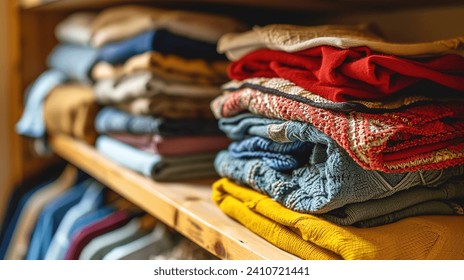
(116, 121)
(279, 156)
(155, 166)
(161, 41)
(412, 202)
(75, 61)
(31, 122)
(331, 179)
(49, 220)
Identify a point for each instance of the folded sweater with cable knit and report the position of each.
(422, 137)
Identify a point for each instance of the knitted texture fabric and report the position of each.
(310, 237)
(329, 179)
(444, 200)
(324, 184)
(421, 137)
(357, 73)
(279, 156)
(435, 207)
(287, 89)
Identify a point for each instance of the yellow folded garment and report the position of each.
(71, 109)
(168, 67)
(310, 237)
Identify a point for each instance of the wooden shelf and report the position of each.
(312, 5)
(282, 5)
(186, 207)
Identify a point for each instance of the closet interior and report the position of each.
(185, 207)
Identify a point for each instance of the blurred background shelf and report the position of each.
(186, 207)
(28, 30)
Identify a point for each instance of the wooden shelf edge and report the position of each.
(280, 5)
(186, 207)
(313, 5)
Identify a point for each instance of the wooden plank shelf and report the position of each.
(184, 206)
(282, 5)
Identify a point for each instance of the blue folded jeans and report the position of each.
(279, 156)
(112, 120)
(329, 180)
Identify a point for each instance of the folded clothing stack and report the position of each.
(61, 100)
(341, 128)
(143, 79)
(156, 75)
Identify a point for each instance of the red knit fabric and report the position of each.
(347, 74)
(422, 137)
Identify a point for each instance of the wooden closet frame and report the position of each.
(186, 207)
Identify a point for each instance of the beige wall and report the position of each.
(410, 25)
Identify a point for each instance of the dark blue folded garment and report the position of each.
(111, 120)
(161, 41)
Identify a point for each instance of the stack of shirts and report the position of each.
(156, 75)
(61, 100)
(346, 146)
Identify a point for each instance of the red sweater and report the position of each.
(356, 73)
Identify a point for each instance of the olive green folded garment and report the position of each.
(447, 199)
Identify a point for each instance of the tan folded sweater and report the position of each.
(119, 23)
(293, 38)
(71, 109)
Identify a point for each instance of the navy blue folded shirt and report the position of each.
(160, 41)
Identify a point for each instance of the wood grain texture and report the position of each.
(186, 207)
(10, 79)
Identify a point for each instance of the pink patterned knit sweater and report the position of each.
(422, 137)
